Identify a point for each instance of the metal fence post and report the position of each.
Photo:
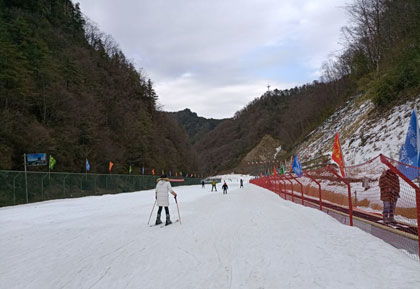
(293, 198)
(348, 191)
(42, 189)
(14, 189)
(64, 185)
(319, 189)
(301, 186)
(283, 187)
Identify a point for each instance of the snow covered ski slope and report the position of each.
(249, 238)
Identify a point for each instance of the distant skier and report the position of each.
(163, 188)
(213, 185)
(241, 183)
(225, 188)
(202, 184)
(390, 192)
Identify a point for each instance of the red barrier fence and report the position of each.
(381, 196)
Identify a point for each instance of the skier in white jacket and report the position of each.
(163, 188)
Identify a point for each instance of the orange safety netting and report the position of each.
(381, 196)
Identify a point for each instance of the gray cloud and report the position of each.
(215, 56)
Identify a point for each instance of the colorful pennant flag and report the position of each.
(130, 170)
(52, 162)
(337, 154)
(410, 150)
(153, 171)
(87, 165)
(282, 170)
(111, 164)
(297, 167)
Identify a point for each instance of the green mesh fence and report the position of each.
(48, 186)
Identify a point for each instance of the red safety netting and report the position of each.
(381, 196)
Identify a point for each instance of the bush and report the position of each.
(398, 81)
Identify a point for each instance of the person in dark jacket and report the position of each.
(390, 192)
(202, 184)
(241, 183)
(225, 188)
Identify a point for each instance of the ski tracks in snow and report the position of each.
(248, 238)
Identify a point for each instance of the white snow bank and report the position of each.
(362, 136)
(248, 238)
(234, 178)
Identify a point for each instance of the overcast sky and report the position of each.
(214, 56)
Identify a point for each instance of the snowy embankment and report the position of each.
(363, 134)
(248, 238)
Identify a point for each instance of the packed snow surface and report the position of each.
(249, 238)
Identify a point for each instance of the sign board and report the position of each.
(36, 159)
(176, 180)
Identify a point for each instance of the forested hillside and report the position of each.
(197, 127)
(68, 90)
(287, 115)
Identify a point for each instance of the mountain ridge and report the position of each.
(195, 126)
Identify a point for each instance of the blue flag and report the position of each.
(87, 165)
(409, 153)
(297, 167)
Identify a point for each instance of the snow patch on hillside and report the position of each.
(363, 133)
(278, 149)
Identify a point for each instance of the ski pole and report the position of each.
(177, 207)
(151, 212)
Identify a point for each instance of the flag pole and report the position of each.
(344, 161)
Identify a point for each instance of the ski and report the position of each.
(164, 225)
(395, 226)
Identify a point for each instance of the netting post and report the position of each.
(94, 184)
(301, 186)
(319, 189)
(418, 215)
(42, 189)
(413, 185)
(14, 189)
(283, 187)
(64, 185)
(348, 191)
(293, 199)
